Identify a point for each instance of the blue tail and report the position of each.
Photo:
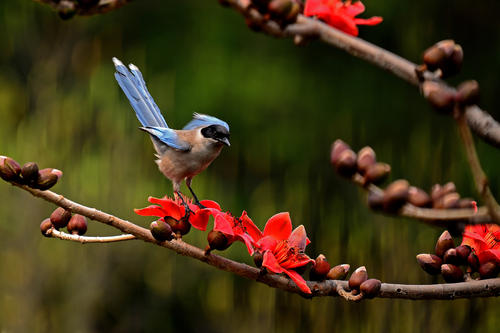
(134, 87)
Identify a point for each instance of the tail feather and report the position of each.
(134, 87)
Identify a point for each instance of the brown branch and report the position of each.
(439, 217)
(72, 8)
(477, 172)
(480, 121)
(483, 288)
(87, 239)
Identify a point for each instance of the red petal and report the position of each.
(152, 210)
(371, 21)
(223, 225)
(271, 263)
(267, 243)
(317, 8)
(298, 260)
(343, 23)
(355, 9)
(245, 238)
(210, 204)
(200, 219)
(299, 281)
(250, 227)
(298, 238)
(170, 207)
(489, 255)
(279, 226)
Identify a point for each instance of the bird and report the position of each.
(181, 154)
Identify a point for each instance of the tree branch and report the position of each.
(67, 6)
(87, 239)
(480, 121)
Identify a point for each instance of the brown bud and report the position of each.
(180, 227)
(396, 195)
(452, 273)
(217, 240)
(451, 257)
(376, 200)
(418, 197)
(293, 13)
(489, 270)
(366, 158)
(448, 201)
(377, 173)
(467, 203)
(29, 172)
(346, 165)
(77, 225)
(320, 269)
(370, 288)
(45, 226)
(87, 3)
(430, 263)
(338, 272)
(439, 191)
(253, 24)
(359, 276)
(258, 258)
(9, 169)
(337, 148)
(445, 55)
(161, 230)
(47, 178)
(468, 93)
(444, 242)
(261, 5)
(441, 98)
(279, 8)
(473, 262)
(463, 252)
(60, 217)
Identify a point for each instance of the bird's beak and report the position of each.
(225, 141)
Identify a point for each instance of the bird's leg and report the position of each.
(196, 201)
(188, 210)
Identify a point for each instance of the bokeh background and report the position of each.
(61, 107)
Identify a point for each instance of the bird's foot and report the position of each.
(187, 210)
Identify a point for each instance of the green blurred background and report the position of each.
(61, 107)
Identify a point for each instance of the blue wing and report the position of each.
(168, 136)
(204, 120)
(134, 87)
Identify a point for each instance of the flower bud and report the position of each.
(217, 240)
(337, 147)
(9, 169)
(375, 200)
(396, 195)
(418, 197)
(452, 273)
(468, 93)
(444, 242)
(473, 262)
(467, 203)
(253, 24)
(47, 178)
(161, 230)
(338, 272)
(463, 252)
(359, 276)
(346, 165)
(448, 201)
(45, 226)
(430, 263)
(320, 269)
(258, 258)
(366, 158)
(279, 8)
(451, 257)
(29, 172)
(180, 227)
(439, 191)
(293, 13)
(489, 270)
(77, 225)
(88, 3)
(441, 98)
(445, 55)
(377, 173)
(261, 5)
(60, 217)
(370, 288)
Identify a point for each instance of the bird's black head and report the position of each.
(216, 132)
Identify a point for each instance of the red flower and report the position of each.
(175, 208)
(283, 249)
(237, 228)
(340, 14)
(484, 240)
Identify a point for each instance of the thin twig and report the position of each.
(477, 172)
(483, 288)
(88, 239)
